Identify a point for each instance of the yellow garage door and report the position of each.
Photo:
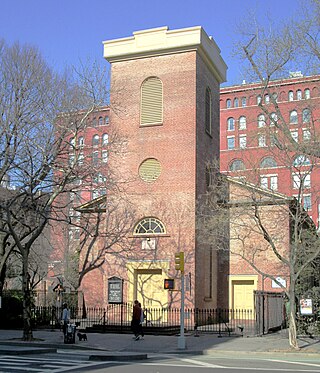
(243, 294)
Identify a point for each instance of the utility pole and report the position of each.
(179, 265)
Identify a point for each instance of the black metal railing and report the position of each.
(228, 321)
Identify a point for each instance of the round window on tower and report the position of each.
(150, 170)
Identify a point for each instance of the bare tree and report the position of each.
(38, 108)
(267, 231)
(269, 54)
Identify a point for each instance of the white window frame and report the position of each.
(299, 94)
(306, 134)
(269, 181)
(262, 140)
(293, 115)
(301, 178)
(242, 122)
(231, 124)
(261, 120)
(295, 135)
(242, 141)
(234, 142)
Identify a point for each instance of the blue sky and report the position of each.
(67, 31)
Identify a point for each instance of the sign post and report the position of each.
(179, 265)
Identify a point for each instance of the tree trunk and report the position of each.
(27, 300)
(293, 342)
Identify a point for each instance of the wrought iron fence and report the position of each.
(228, 321)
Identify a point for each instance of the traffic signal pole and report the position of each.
(181, 338)
(179, 265)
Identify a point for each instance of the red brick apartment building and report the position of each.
(248, 138)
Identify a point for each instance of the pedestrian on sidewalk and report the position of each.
(65, 318)
(141, 332)
(136, 317)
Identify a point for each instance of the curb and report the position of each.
(113, 356)
(26, 351)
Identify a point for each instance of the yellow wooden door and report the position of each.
(150, 291)
(243, 291)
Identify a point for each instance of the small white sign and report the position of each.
(282, 281)
(149, 244)
(306, 307)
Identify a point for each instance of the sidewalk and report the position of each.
(204, 343)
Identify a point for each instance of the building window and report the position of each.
(306, 135)
(72, 142)
(290, 95)
(261, 120)
(274, 139)
(301, 160)
(95, 140)
(81, 141)
(244, 101)
(307, 202)
(259, 100)
(275, 97)
(262, 140)
(208, 113)
(231, 125)
(99, 178)
(231, 142)
(71, 160)
(242, 141)
(95, 194)
(104, 156)
(237, 165)
(299, 94)
(236, 102)
(266, 99)
(307, 93)
(293, 117)
(306, 115)
(273, 119)
(268, 162)
(95, 158)
(106, 120)
(151, 101)
(294, 135)
(301, 180)
(100, 121)
(149, 226)
(228, 103)
(80, 159)
(105, 139)
(269, 182)
(242, 123)
(94, 122)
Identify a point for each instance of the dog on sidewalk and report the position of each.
(82, 336)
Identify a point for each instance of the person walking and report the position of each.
(65, 318)
(136, 317)
(140, 330)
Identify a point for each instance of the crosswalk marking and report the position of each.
(53, 365)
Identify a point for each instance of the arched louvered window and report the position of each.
(208, 111)
(151, 101)
(149, 226)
